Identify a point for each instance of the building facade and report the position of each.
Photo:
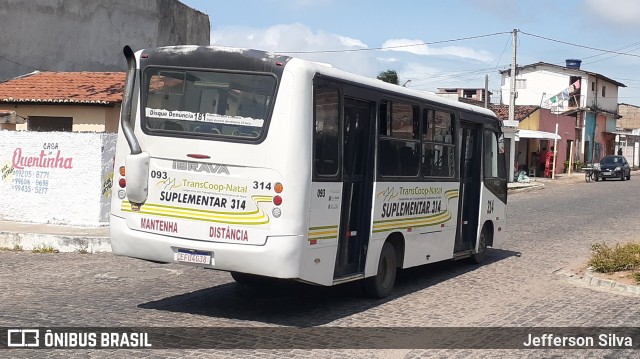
(63, 101)
(88, 35)
(590, 98)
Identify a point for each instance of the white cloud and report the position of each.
(425, 66)
(621, 12)
(287, 38)
(417, 47)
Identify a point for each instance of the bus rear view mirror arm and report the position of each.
(127, 99)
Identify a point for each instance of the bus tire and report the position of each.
(480, 255)
(381, 284)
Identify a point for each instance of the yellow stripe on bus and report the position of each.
(256, 217)
(413, 222)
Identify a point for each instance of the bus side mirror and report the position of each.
(137, 177)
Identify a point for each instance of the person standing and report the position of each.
(542, 159)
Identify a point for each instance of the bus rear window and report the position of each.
(206, 103)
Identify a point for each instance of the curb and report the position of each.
(59, 243)
(592, 280)
(527, 188)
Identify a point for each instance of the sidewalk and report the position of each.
(62, 238)
(539, 182)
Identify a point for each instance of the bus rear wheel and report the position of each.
(381, 285)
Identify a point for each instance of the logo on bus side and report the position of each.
(388, 194)
(200, 167)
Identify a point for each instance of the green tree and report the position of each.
(390, 76)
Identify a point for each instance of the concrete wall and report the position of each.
(56, 177)
(88, 35)
(594, 98)
(86, 118)
(566, 130)
(630, 116)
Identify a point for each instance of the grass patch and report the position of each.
(83, 249)
(607, 259)
(16, 248)
(44, 248)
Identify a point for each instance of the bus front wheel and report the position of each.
(481, 254)
(381, 285)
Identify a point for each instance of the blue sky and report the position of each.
(310, 26)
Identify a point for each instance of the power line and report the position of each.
(394, 47)
(577, 45)
(17, 63)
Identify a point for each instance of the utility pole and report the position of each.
(512, 84)
(486, 91)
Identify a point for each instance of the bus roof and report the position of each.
(328, 70)
(371, 82)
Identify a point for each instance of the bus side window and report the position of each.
(326, 132)
(389, 160)
(408, 160)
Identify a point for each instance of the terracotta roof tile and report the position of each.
(64, 87)
(521, 112)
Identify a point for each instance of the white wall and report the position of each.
(56, 177)
(538, 83)
(608, 103)
(547, 82)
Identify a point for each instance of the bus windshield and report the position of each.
(207, 103)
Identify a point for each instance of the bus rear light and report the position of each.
(121, 170)
(277, 212)
(122, 182)
(278, 187)
(198, 156)
(277, 200)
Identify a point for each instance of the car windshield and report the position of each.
(611, 160)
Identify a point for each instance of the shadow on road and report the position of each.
(302, 305)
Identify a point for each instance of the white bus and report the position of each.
(271, 166)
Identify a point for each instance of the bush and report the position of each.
(605, 259)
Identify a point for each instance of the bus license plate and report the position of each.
(189, 256)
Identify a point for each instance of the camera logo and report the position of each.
(23, 338)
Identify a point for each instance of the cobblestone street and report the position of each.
(549, 231)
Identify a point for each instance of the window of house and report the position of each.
(50, 124)
(521, 84)
(604, 91)
(593, 86)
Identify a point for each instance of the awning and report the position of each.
(538, 134)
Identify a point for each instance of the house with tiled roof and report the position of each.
(63, 101)
(534, 131)
(590, 98)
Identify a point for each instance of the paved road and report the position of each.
(550, 230)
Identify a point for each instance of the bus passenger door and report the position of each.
(355, 217)
(468, 138)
